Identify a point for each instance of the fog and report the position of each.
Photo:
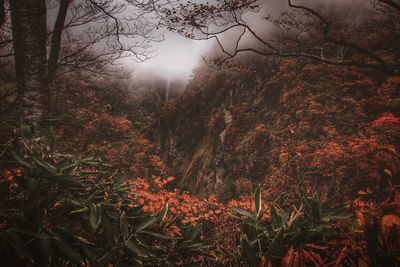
(173, 59)
(177, 56)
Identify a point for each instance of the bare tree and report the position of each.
(87, 36)
(56, 38)
(303, 31)
(96, 34)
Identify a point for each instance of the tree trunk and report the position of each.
(56, 39)
(2, 13)
(28, 19)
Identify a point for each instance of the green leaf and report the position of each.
(83, 240)
(84, 209)
(50, 168)
(163, 213)
(70, 166)
(248, 253)
(195, 232)
(108, 230)
(227, 252)
(195, 246)
(278, 217)
(243, 212)
(135, 248)
(155, 234)
(123, 226)
(315, 208)
(21, 159)
(18, 244)
(258, 201)
(146, 223)
(69, 182)
(275, 249)
(66, 249)
(95, 215)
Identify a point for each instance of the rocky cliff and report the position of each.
(287, 124)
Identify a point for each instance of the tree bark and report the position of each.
(56, 39)
(28, 20)
(2, 13)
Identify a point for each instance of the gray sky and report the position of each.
(174, 58)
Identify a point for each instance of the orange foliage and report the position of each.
(386, 119)
(187, 208)
(108, 125)
(10, 175)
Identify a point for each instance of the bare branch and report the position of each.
(391, 3)
(117, 26)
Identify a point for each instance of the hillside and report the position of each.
(294, 127)
(316, 126)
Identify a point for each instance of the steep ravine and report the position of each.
(307, 125)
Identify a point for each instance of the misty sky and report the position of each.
(174, 58)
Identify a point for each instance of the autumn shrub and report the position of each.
(60, 210)
(287, 237)
(107, 127)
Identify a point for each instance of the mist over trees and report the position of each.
(303, 29)
(87, 36)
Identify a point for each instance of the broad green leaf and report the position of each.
(315, 208)
(258, 201)
(129, 244)
(83, 240)
(248, 253)
(187, 231)
(123, 226)
(146, 223)
(18, 244)
(195, 232)
(67, 250)
(227, 252)
(108, 230)
(84, 209)
(163, 213)
(21, 159)
(69, 182)
(70, 166)
(95, 215)
(275, 249)
(195, 246)
(50, 168)
(155, 234)
(243, 212)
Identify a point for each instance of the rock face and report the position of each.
(293, 124)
